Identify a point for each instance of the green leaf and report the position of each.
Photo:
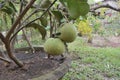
(77, 8)
(12, 6)
(44, 21)
(38, 27)
(58, 15)
(7, 10)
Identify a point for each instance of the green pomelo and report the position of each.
(54, 46)
(68, 32)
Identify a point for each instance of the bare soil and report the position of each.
(111, 41)
(35, 65)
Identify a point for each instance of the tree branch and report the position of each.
(34, 19)
(106, 4)
(19, 18)
(43, 13)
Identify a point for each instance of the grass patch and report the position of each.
(94, 63)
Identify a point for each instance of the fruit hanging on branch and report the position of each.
(68, 32)
(54, 46)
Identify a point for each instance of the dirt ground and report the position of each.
(36, 65)
(111, 41)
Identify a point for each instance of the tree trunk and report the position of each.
(3, 56)
(11, 55)
(13, 43)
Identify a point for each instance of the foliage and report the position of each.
(58, 15)
(34, 38)
(5, 21)
(102, 13)
(76, 8)
(37, 14)
(38, 27)
(44, 21)
(84, 27)
(8, 8)
(95, 23)
(18, 14)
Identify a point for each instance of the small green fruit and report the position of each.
(54, 46)
(68, 32)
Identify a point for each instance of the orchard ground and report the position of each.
(98, 60)
(95, 61)
(111, 41)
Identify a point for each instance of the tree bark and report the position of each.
(105, 4)
(11, 55)
(8, 48)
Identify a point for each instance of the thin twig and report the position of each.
(35, 11)
(51, 25)
(34, 19)
(65, 16)
(19, 19)
(42, 14)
